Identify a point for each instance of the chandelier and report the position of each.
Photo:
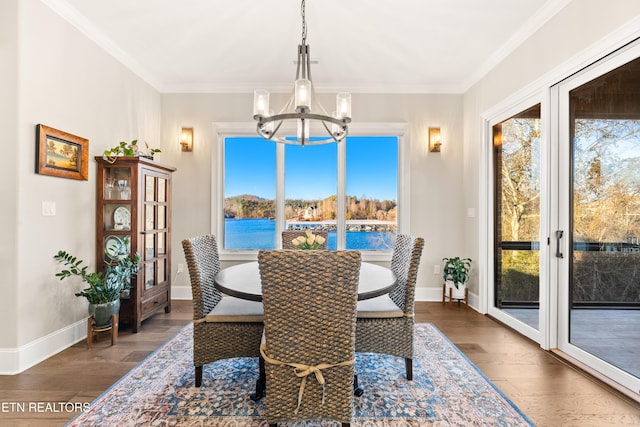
(303, 107)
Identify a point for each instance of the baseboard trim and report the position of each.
(435, 294)
(181, 292)
(16, 360)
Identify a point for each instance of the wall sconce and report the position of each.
(435, 141)
(186, 139)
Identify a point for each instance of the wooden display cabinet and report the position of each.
(133, 202)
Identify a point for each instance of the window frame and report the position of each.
(247, 129)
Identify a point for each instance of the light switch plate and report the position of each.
(48, 208)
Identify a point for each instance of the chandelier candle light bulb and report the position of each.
(343, 104)
(303, 94)
(260, 102)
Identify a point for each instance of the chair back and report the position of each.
(404, 263)
(203, 263)
(309, 302)
(288, 236)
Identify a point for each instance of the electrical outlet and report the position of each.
(436, 269)
(180, 268)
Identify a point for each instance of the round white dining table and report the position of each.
(243, 281)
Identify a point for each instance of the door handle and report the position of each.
(559, 234)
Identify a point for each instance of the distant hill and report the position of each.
(251, 206)
(247, 197)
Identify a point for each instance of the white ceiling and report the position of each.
(399, 46)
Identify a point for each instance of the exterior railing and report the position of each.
(603, 274)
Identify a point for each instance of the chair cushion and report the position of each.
(231, 309)
(379, 307)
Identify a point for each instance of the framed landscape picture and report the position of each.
(61, 154)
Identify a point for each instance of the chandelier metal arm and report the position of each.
(302, 116)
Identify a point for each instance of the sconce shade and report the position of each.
(435, 141)
(186, 139)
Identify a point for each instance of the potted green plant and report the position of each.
(129, 149)
(456, 274)
(104, 288)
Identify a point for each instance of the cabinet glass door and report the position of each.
(156, 234)
(150, 226)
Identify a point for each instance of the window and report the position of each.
(372, 192)
(356, 204)
(249, 193)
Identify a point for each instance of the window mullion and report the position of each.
(279, 194)
(341, 201)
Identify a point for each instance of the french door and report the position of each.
(517, 203)
(564, 252)
(598, 216)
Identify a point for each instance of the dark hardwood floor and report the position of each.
(548, 391)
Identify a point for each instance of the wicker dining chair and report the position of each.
(288, 236)
(223, 327)
(309, 302)
(385, 324)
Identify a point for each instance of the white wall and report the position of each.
(8, 174)
(569, 41)
(437, 212)
(61, 79)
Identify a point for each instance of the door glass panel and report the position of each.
(148, 246)
(149, 217)
(162, 216)
(149, 275)
(604, 282)
(516, 154)
(162, 271)
(162, 190)
(162, 237)
(149, 188)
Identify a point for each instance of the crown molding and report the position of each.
(87, 28)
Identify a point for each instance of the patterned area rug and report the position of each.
(447, 389)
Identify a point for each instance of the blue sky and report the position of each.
(311, 171)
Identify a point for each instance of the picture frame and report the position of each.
(61, 154)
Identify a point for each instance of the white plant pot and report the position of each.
(456, 293)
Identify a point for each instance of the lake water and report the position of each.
(260, 234)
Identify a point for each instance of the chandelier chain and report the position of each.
(304, 23)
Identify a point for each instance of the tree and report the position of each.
(520, 198)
